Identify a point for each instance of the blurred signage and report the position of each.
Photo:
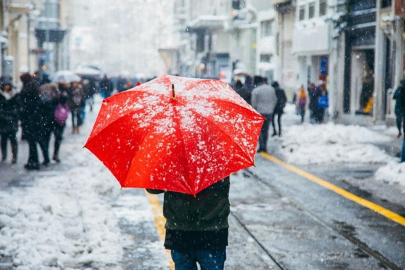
(324, 65)
(38, 51)
(399, 7)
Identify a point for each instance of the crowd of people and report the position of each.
(270, 100)
(41, 108)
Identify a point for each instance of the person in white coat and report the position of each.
(264, 100)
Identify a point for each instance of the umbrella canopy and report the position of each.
(175, 134)
(241, 72)
(65, 76)
(87, 71)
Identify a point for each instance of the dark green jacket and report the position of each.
(207, 211)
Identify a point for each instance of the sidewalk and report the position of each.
(392, 147)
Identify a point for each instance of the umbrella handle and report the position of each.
(173, 93)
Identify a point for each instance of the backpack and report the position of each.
(61, 114)
(323, 102)
(77, 99)
(281, 98)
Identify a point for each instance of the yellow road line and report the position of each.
(159, 221)
(372, 206)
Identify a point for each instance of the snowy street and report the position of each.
(73, 215)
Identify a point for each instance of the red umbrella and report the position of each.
(176, 134)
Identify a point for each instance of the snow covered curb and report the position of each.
(392, 173)
(65, 220)
(313, 144)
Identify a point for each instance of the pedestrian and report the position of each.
(89, 90)
(323, 104)
(313, 95)
(399, 96)
(106, 87)
(197, 226)
(9, 110)
(31, 116)
(301, 102)
(121, 84)
(279, 109)
(264, 100)
(128, 85)
(60, 115)
(47, 95)
(76, 103)
(246, 90)
(399, 110)
(239, 88)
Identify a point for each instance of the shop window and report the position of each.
(323, 8)
(302, 13)
(265, 58)
(311, 10)
(386, 3)
(238, 4)
(359, 5)
(266, 28)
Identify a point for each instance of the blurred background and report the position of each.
(355, 47)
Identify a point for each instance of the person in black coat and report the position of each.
(279, 110)
(245, 91)
(48, 95)
(31, 116)
(106, 86)
(313, 95)
(8, 119)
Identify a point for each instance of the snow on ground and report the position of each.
(392, 173)
(312, 144)
(65, 219)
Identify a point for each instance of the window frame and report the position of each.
(263, 55)
(302, 9)
(266, 31)
(326, 7)
(311, 5)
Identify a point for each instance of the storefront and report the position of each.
(359, 77)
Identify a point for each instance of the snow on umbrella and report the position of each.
(176, 134)
(65, 76)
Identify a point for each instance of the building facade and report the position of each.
(31, 37)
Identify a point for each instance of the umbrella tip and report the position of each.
(173, 93)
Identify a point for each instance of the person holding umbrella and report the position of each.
(184, 143)
(198, 231)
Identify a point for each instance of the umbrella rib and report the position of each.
(226, 134)
(184, 154)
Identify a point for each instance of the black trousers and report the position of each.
(76, 118)
(5, 137)
(279, 114)
(33, 153)
(57, 130)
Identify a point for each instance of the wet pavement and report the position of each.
(279, 220)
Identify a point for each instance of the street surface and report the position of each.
(73, 215)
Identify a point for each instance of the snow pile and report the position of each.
(393, 173)
(311, 144)
(64, 220)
